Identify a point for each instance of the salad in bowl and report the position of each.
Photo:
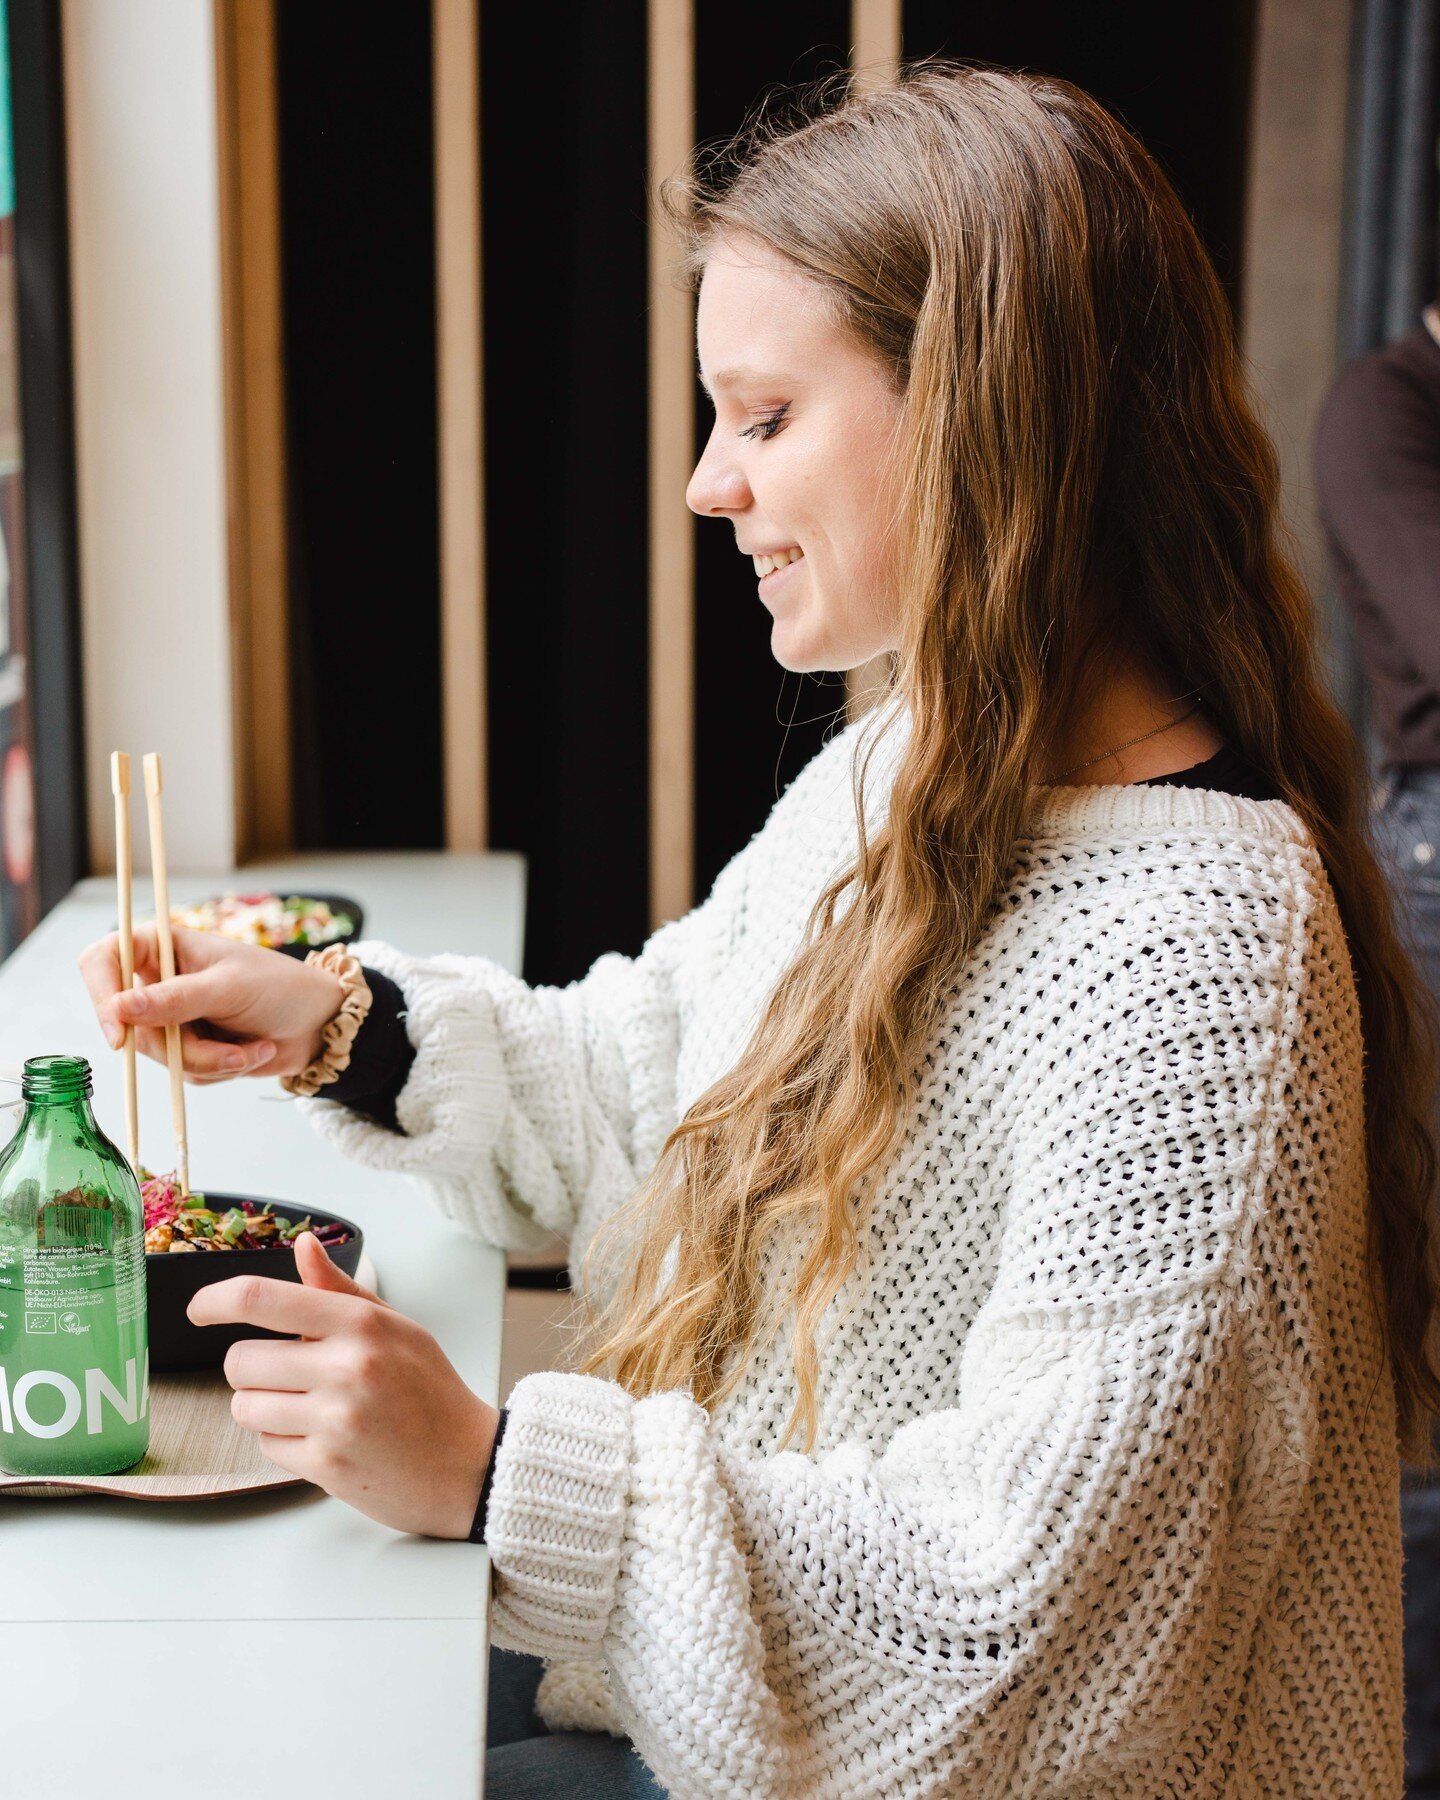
(297, 923)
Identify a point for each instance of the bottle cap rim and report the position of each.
(54, 1076)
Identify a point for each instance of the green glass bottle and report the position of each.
(74, 1354)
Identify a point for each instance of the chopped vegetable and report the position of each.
(177, 1221)
(267, 919)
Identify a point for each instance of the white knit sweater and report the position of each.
(1106, 1495)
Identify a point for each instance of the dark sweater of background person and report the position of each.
(1377, 473)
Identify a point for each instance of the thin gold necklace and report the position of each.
(1129, 743)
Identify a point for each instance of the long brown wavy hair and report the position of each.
(1074, 422)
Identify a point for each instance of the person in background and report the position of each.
(1377, 475)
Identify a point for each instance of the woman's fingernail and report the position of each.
(233, 1059)
(260, 1053)
(114, 1035)
(137, 1001)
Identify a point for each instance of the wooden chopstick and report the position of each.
(124, 873)
(154, 782)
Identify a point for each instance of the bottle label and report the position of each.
(65, 1283)
(73, 1361)
(48, 1403)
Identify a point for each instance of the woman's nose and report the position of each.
(716, 486)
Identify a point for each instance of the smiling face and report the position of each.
(806, 422)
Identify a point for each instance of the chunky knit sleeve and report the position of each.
(534, 1111)
(1030, 1575)
(525, 1105)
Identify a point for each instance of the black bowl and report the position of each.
(171, 1280)
(338, 903)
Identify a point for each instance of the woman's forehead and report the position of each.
(757, 321)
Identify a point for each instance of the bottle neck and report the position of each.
(46, 1112)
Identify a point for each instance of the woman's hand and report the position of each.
(243, 1010)
(367, 1405)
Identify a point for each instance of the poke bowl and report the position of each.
(276, 920)
(199, 1238)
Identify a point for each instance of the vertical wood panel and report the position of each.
(672, 436)
(1294, 232)
(875, 34)
(460, 376)
(875, 39)
(255, 423)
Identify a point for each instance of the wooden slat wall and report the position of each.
(672, 443)
(246, 30)
(460, 377)
(255, 423)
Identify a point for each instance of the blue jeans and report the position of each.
(525, 1760)
(1407, 833)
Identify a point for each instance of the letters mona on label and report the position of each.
(132, 1404)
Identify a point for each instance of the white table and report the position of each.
(127, 1629)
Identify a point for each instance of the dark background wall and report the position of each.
(755, 724)
(358, 251)
(564, 221)
(1178, 75)
(565, 236)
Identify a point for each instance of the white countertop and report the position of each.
(99, 1598)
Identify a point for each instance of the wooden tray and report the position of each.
(197, 1451)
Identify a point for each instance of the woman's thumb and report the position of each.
(313, 1264)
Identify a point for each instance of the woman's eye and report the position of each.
(767, 427)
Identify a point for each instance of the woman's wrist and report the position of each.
(329, 998)
(474, 1450)
(338, 1033)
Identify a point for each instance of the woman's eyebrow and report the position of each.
(731, 377)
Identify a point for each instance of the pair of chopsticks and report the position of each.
(120, 787)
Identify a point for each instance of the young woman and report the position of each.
(1008, 1299)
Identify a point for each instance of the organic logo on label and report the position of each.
(38, 1324)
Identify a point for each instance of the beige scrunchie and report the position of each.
(339, 1034)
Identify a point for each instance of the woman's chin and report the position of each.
(801, 651)
(811, 652)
